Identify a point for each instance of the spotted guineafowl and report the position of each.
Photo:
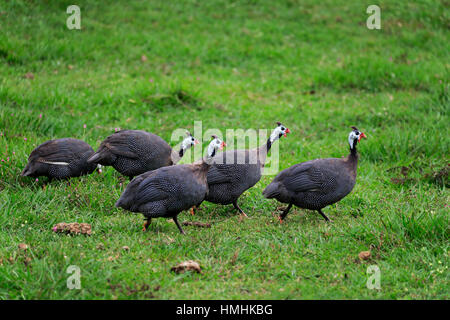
(167, 191)
(132, 152)
(60, 159)
(236, 171)
(317, 183)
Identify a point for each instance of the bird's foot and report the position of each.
(193, 210)
(243, 214)
(146, 224)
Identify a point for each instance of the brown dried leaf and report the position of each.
(28, 75)
(23, 246)
(364, 255)
(189, 265)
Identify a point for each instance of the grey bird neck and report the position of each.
(206, 163)
(353, 158)
(263, 150)
(353, 151)
(177, 153)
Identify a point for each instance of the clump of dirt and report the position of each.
(440, 176)
(196, 224)
(401, 180)
(189, 265)
(73, 228)
(29, 75)
(422, 172)
(126, 290)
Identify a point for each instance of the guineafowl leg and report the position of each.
(146, 224)
(285, 212)
(175, 219)
(239, 209)
(195, 208)
(323, 215)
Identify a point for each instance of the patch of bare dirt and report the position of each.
(73, 228)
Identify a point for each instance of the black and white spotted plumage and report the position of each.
(164, 192)
(317, 183)
(235, 171)
(167, 191)
(133, 152)
(60, 159)
(313, 184)
(229, 178)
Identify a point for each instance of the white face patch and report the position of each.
(351, 138)
(187, 143)
(276, 133)
(214, 146)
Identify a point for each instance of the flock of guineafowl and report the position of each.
(161, 188)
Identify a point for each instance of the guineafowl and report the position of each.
(167, 191)
(132, 152)
(60, 159)
(317, 183)
(236, 171)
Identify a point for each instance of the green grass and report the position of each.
(231, 64)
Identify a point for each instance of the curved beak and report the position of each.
(287, 131)
(362, 135)
(196, 142)
(222, 145)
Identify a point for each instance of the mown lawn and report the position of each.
(312, 65)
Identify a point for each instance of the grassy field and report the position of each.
(230, 64)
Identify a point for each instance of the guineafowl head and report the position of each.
(354, 137)
(279, 132)
(187, 143)
(214, 145)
